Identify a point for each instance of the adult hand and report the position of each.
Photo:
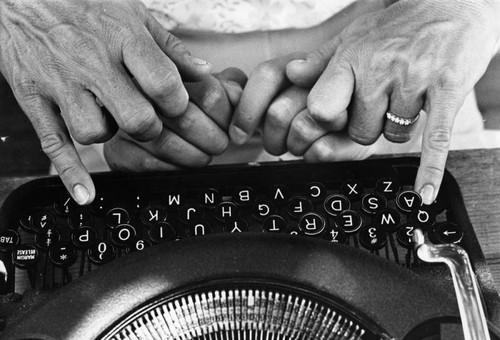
(63, 57)
(189, 140)
(413, 55)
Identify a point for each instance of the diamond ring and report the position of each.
(400, 120)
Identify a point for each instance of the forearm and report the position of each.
(247, 50)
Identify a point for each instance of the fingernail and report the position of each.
(237, 135)
(81, 194)
(199, 61)
(299, 61)
(427, 194)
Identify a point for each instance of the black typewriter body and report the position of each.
(278, 251)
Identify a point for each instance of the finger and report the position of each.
(233, 80)
(57, 145)
(156, 74)
(305, 72)
(233, 74)
(407, 105)
(331, 95)
(442, 108)
(279, 117)
(191, 68)
(87, 122)
(263, 85)
(125, 155)
(210, 96)
(304, 131)
(335, 147)
(172, 148)
(133, 113)
(198, 129)
(368, 112)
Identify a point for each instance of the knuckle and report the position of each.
(432, 171)
(140, 122)
(269, 73)
(91, 134)
(53, 144)
(397, 137)
(438, 140)
(162, 83)
(279, 114)
(211, 98)
(321, 152)
(358, 135)
(26, 90)
(173, 42)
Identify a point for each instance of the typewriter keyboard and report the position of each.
(48, 240)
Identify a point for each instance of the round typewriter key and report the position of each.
(334, 235)
(372, 238)
(63, 255)
(423, 217)
(161, 232)
(274, 224)
(25, 221)
(209, 198)
(349, 221)
(200, 228)
(352, 189)
(298, 206)
(152, 215)
(123, 235)
(244, 196)
(64, 204)
(279, 194)
(117, 216)
(84, 237)
(336, 204)
(408, 200)
(138, 245)
(448, 232)
(404, 235)
(191, 212)
(41, 220)
(236, 225)
(25, 255)
(9, 239)
(174, 200)
(387, 219)
(262, 209)
(80, 218)
(101, 252)
(226, 210)
(373, 202)
(312, 224)
(315, 191)
(387, 186)
(46, 238)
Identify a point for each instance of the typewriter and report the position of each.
(266, 251)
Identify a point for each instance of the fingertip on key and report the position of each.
(81, 194)
(427, 194)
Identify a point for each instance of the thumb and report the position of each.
(435, 145)
(305, 72)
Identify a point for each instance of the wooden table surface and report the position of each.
(478, 174)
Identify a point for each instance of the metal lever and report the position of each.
(466, 288)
